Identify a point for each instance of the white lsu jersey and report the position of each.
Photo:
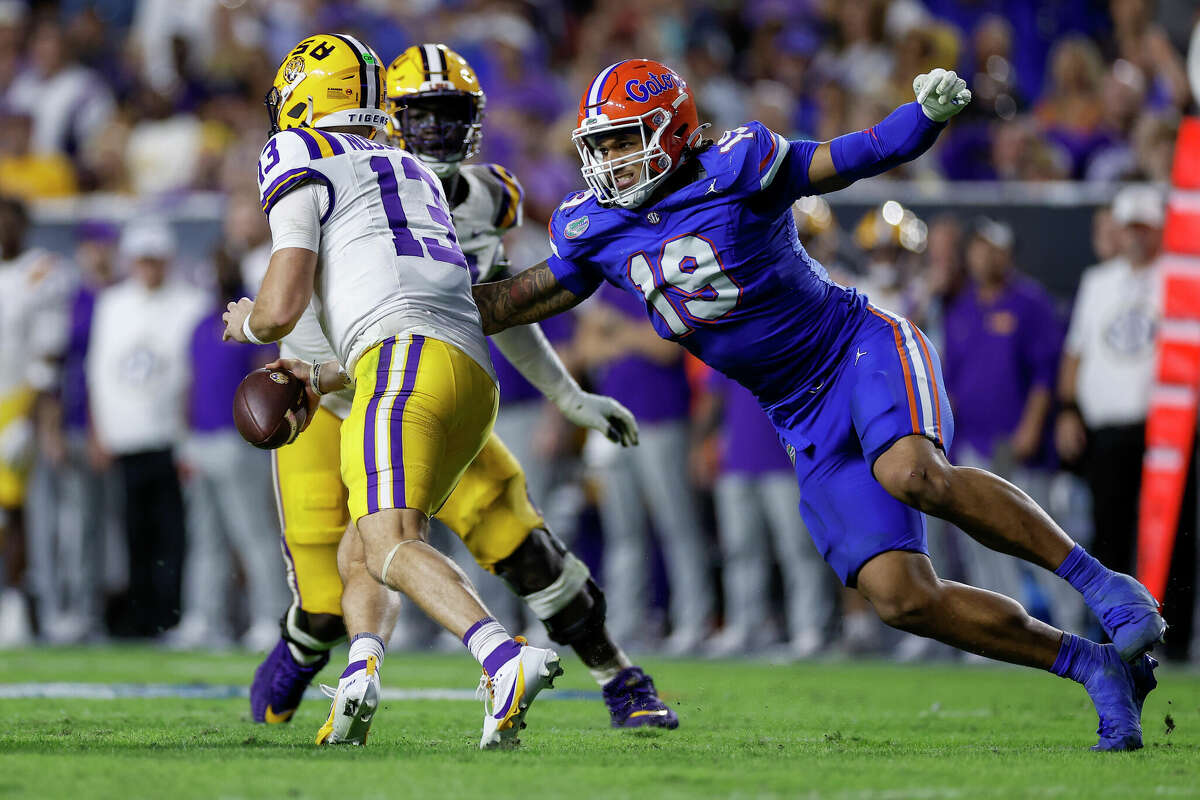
(33, 326)
(491, 207)
(388, 259)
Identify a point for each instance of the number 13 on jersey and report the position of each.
(687, 284)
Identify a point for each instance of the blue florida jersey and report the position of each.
(721, 268)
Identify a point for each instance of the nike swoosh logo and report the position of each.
(506, 709)
(662, 712)
(816, 388)
(271, 717)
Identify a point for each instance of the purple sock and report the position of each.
(1077, 658)
(1082, 571)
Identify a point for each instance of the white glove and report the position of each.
(601, 413)
(941, 93)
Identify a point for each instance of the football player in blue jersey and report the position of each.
(702, 230)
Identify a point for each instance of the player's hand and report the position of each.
(941, 93)
(234, 318)
(603, 414)
(301, 371)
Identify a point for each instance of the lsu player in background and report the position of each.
(361, 230)
(435, 99)
(702, 231)
(33, 332)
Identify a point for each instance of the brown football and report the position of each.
(269, 408)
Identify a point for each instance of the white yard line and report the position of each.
(202, 691)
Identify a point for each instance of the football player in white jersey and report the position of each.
(32, 335)
(361, 230)
(490, 508)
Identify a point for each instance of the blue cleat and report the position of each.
(633, 702)
(279, 684)
(1128, 614)
(1118, 690)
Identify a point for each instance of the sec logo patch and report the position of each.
(279, 377)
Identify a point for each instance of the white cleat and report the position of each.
(508, 694)
(354, 703)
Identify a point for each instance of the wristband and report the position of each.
(249, 334)
(314, 378)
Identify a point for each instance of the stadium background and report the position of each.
(115, 112)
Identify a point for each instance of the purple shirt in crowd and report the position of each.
(217, 369)
(995, 354)
(653, 392)
(513, 386)
(749, 443)
(74, 377)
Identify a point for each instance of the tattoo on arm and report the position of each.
(530, 296)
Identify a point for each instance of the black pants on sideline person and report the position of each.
(1114, 475)
(1113, 471)
(154, 530)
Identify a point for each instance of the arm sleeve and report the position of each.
(901, 136)
(296, 219)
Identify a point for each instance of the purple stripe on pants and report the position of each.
(412, 360)
(381, 380)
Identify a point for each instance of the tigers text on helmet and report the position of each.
(436, 106)
(328, 80)
(650, 101)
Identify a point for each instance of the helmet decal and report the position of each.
(293, 69)
(641, 91)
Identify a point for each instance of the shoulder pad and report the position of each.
(286, 162)
(750, 154)
(504, 191)
(571, 221)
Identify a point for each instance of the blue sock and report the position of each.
(1077, 658)
(1082, 571)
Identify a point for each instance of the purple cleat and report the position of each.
(1129, 615)
(633, 702)
(279, 684)
(1118, 690)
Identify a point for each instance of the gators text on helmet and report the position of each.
(645, 98)
(326, 81)
(436, 105)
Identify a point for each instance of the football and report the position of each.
(269, 408)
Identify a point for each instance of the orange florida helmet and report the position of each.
(646, 98)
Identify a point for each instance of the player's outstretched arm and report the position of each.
(903, 135)
(529, 296)
(528, 349)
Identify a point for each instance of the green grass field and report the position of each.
(748, 729)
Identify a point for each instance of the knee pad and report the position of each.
(315, 632)
(581, 617)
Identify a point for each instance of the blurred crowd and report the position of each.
(157, 97)
(132, 508)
